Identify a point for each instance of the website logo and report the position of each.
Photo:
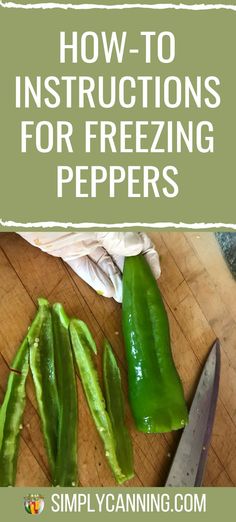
(34, 504)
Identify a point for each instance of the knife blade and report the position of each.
(189, 462)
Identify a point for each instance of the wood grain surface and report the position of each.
(200, 296)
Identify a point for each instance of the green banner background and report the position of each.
(220, 502)
(205, 45)
(107, 2)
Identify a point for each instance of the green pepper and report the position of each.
(82, 347)
(115, 408)
(12, 409)
(155, 390)
(66, 462)
(43, 372)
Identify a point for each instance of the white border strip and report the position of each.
(165, 224)
(77, 7)
(177, 7)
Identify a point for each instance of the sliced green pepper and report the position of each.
(115, 407)
(12, 409)
(43, 372)
(82, 350)
(66, 462)
(155, 390)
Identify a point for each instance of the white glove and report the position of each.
(97, 257)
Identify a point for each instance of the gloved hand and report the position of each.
(97, 257)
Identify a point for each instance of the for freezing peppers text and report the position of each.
(151, 143)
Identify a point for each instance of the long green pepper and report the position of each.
(155, 390)
(66, 462)
(82, 347)
(12, 409)
(116, 411)
(42, 366)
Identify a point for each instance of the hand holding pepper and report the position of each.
(97, 257)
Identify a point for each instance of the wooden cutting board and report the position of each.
(200, 296)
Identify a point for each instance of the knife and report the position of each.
(188, 466)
